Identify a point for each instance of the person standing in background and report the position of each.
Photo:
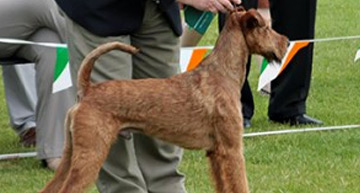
(296, 20)
(39, 21)
(21, 99)
(289, 91)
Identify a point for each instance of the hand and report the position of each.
(212, 5)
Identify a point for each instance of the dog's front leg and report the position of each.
(228, 170)
(228, 165)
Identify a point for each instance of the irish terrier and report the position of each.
(199, 109)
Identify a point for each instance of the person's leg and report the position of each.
(51, 108)
(158, 58)
(16, 21)
(290, 90)
(48, 15)
(247, 99)
(21, 98)
(120, 172)
(21, 18)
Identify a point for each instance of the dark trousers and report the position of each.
(296, 20)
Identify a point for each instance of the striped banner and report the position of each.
(269, 71)
(190, 57)
(357, 55)
(62, 76)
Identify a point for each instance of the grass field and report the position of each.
(326, 162)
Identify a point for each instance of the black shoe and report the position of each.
(247, 123)
(28, 138)
(299, 120)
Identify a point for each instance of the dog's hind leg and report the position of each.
(57, 181)
(91, 141)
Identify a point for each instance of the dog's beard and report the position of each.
(272, 57)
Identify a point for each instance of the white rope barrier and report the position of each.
(4, 157)
(330, 39)
(25, 42)
(17, 155)
(55, 45)
(301, 130)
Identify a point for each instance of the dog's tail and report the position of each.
(83, 81)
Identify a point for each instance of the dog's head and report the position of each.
(259, 37)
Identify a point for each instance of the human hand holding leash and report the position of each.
(212, 5)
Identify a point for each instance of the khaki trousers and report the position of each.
(39, 21)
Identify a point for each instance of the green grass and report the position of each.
(295, 163)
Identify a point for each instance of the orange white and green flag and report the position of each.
(62, 76)
(269, 71)
(190, 57)
(357, 55)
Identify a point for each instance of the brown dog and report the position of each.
(199, 109)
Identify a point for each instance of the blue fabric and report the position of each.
(116, 17)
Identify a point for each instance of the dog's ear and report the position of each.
(251, 19)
